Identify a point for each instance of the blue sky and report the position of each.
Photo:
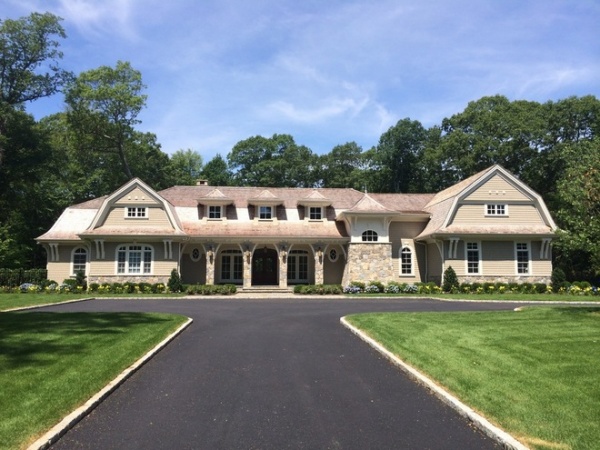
(326, 72)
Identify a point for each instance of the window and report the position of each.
(333, 255)
(522, 249)
(195, 255)
(265, 212)
(473, 257)
(136, 212)
(214, 212)
(134, 259)
(495, 209)
(297, 266)
(406, 264)
(370, 236)
(79, 260)
(315, 213)
(232, 266)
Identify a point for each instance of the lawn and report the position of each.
(51, 363)
(534, 372)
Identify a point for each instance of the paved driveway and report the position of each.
(271, 374)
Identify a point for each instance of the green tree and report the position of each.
(217, 172)
(103, 106)
(579, 212)
(185, 167)
(397, 157)
(342, 167)
(275, 162)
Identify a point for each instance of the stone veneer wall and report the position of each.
(127, 279)
(503, 279)
(369, 262)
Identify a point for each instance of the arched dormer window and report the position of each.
(406, 261)
(79, 259)
(370, 236)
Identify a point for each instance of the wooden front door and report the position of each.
(264, 267)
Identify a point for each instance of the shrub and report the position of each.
(465, 288)
(557, 278)
(372, 289)
(352, 289)
(393, 288)
(526, 288)
(450, 280)
(93, 287)
(174, 284)
(358, 284)
(377, 284)
(298, 288)
(540, 288)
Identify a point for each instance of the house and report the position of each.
(488, 227)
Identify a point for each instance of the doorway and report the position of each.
(264, 267)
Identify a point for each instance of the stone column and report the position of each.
(247, 269)
(319, 275)
(283, 269)
(210, 266)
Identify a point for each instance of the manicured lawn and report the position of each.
(50, 363)
(499, 297)
(535, 372)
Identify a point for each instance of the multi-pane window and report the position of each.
(232, 266)
(522, 249)
(370, 236)
(315, 213)
(79, 260)
(496, 209)
(134, 212)
(473, 257)
(406, 265)
(265, 212)
(134, 259)
(214, 212)
(297, 266)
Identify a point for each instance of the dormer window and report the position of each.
(315, 213)
(134, 212)
(215, 212)
(265, 212)
(496, 209)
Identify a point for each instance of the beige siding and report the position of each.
(157, 217)
(516, 214)
(402, 233)
(160, 267)
(61, 270)
(497, 189)
(136, 197)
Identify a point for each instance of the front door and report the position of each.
(264, 267)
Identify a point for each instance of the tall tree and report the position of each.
(341, 168)
(185, 166)
(275, 162)
(397, 156)
(216, 172)
(104, 104)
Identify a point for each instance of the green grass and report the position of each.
(500, 297)
(535, 373)
(51, 363)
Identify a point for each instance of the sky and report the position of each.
(326, 72)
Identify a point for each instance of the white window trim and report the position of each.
(141, 273)
(270, 214)
(529, 264)
(308, 213)
(87, 260)
(479, 265)
(495, 213)
(220, 209)
(136, 210)
(412, 261)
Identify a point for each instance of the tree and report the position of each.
(341, 168)
(185, 166)
(579, 212)
(397, 156)
(275, 162)
(104, 104)
(216, 172)
(27, 45)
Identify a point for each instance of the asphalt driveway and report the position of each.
(271, 374)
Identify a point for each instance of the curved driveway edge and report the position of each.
(479, 421)
(70, 420)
